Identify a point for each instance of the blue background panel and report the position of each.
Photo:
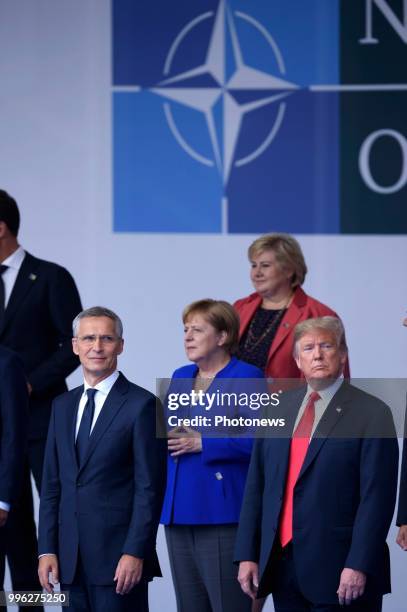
(157, 186)
(306, 32)
(293, 186)
(143, 32)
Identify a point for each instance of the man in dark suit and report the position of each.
(104, 479)
(13, 430)
(38, 301)
(402, 507)
(318, 505)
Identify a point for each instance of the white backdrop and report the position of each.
(55, 159)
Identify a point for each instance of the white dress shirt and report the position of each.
(320, 405)
(103, 389)
(13, 262)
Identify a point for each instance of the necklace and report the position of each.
(202, 383)
(252, 340)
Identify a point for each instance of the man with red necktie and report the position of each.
(318, 504)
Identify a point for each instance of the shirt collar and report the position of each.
(327, 393)
(15, 259)
(104, 385)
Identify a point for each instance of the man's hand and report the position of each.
(3, 517)
(48, 564)
(184, 440)
(128, 573)
(402, 537)
(351, 586)
(248, 577)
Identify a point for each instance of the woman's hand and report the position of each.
(183, 440)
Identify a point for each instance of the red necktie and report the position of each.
(298, 450)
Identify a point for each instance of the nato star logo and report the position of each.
(263, 89)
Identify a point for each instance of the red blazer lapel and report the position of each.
(289, 321)
(247, 312)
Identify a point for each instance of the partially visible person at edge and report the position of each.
(206, 475)
(402, 506)
(38, 300)
(268, 316)
(13, 437)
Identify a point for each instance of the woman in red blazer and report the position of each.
(268, 316)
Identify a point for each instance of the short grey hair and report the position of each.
(98, 311)
(328, 323)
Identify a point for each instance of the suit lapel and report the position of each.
(295, 400)
(248, 313)
(26, 278)
(334, 412)
(289, 321)
(72, 415)
(113, 403)
(290, 414)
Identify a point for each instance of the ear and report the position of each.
(289, 273)
(3, 229)
(296, 355)
(223, 336)
(75, 346)
(297, 361)
(120, 347)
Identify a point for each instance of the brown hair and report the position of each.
(287, 251)
(221, 316)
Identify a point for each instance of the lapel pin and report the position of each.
(32, 277)
(286, 325)
(339, 410)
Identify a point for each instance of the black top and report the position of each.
(254, 345)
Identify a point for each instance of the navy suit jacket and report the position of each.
(13, 424)
(402, 507)
(343, 500)
(110, 505)
(37, 325)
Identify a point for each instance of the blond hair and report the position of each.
(287, 251)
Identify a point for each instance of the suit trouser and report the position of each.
(287, 595)
(204, 576)
(21, 533)
(87, 597)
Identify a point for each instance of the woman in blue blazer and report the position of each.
(206, 474)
